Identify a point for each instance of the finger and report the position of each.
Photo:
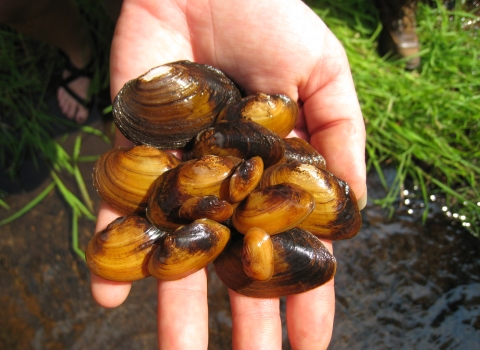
(105, 292)
(334, 118)
(121, 140)
(310, 316)
(183, 313)
(256, 322)
(109, 293)
(343, 147)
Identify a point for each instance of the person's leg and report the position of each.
(399, 35)
(56, 22)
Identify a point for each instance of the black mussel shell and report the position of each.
(302, 263)
(238, 138)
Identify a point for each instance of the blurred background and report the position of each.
(409, 279)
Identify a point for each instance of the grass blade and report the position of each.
(29, 206)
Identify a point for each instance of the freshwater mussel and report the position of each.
(243, 196)
(169, 104)
(124, 176)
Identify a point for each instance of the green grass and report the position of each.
(27, 129)
(425, 123)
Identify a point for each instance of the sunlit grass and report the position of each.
(424, 122)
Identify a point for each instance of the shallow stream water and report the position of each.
(402, 284)
(399, 284)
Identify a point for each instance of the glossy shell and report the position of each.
(244, 197)
(298, 150)
(208, 175)
(170, 104)
(274, 209)
(209, 207)
(188, 249)
(257, 255)
(336, 215)
(239, 138)
(121, 252)
(245, 178)
(301, 263)
(123, 177)
(277, 113)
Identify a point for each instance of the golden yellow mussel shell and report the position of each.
(244, 197)
(209, 207)
(278, 113)
(274, 209)
(208, 175)
(123, 177)
(245, 178)
(121, 252)
(336, 215)
(257, 255)
(188, 249)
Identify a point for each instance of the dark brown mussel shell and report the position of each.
(336, 215)
(209, 207)
(298, 150)
(121, 252)
(123, 177)
(301, 263)
(245, 178)
(238, 138)
(188, 249)
(168, 105)
(208, 175)
(277, 113)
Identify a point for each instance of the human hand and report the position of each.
(274, 46)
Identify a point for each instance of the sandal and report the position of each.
(74, 74)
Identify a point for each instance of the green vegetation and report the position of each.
(27, 130)
(425, 122)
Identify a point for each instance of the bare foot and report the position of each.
(72, 107)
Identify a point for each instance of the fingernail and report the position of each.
(362, 201)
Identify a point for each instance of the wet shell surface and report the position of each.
(274, 209)
(188, 249)
(298, 150)
(123, 177)
(121, 252)
(301, 263)
(239, 138)
(243, 197)
(278, 113)
(209, 207)
(245, 178)
(336, 215)
(208, 175)
(170, 104)
(257, 255)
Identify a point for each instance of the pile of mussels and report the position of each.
(243, 196)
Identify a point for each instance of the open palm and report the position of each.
(274, 46)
